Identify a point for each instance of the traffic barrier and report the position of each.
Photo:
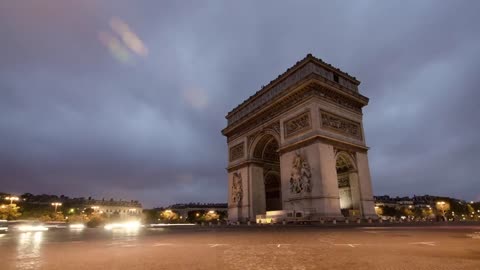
(334, 221)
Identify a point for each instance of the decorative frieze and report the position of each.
(310, 90)
(341, 125)
(344, 181)
(237, 151)
(337, 99)
(275, 126)
(263, 96)
(297, 124)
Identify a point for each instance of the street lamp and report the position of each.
(12, 198)
(56, 204)
(442, 204)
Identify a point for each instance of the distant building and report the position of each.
(183, 209)
(111, 207)
(108, 207)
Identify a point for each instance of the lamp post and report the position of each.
(56, 204)
(12, 198)
(442, 204)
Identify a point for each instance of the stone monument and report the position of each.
(297, 145)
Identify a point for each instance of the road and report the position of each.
(246, 247)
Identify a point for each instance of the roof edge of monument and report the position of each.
(290, 70)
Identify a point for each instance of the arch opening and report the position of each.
(347, 185)
(267, 156)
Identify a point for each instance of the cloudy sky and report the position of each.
(126, 99)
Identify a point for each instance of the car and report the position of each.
(3, 226)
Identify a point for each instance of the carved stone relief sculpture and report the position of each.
(237, 152)
(301, 176)
(297, 124)
(341, 125)
(237, 192)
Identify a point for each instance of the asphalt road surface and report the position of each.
(243, 247)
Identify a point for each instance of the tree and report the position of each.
(389, 211)
(76, 218)
(9, 212)
(150, 215)
(169, 216)
(95, 220)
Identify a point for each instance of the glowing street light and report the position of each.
(442, 205)
(56, 204)
(12, 198)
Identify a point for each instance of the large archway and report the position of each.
(267, 157)
(348, 185)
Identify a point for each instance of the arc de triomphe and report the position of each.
(298, 145)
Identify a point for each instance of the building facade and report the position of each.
(122, 209)
(298, 146)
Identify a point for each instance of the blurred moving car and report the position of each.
(30, 227)
(3, 226)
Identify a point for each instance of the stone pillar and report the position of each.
(355, 190)
(365, 187)
(330, 206)
(257, 198)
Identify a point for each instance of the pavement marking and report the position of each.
(216, 245)
(128, 246)
(350, 245)
(432, 244)
(278, 245)
(373, 232)
(475, 235)
(162, 244)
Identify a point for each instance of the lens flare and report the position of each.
(115, 47)
(129, 38)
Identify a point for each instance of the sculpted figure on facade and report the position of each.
(301, 177)
(237, 192)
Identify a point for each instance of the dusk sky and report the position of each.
(126, 99)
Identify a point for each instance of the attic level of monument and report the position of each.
(297, 147)
(309, 68)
